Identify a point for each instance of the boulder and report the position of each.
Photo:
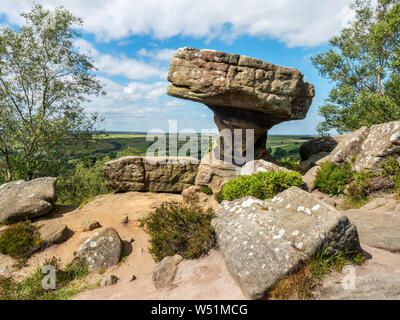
(318, 145)
(263, 241)
(213, 173)
(165, 271)
(21, 200)
(195, 195)
(309, 178)
(378, 223)
(159, 174)
(52, 232)
(243, 92)
(368, 147)
(101, 250)
(306, 165)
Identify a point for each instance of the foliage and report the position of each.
(331, 179)
(219, 197)
(288, 163)
(43, 82)
(206, 190)
(176, 228)
(82, 183)
(31, 288)
(19, 240)
(301, 283)
(364, 65)
(263, 185)
(358, 189)
(391, 167)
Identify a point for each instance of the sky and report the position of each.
(133, 41)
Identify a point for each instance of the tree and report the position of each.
(43, 83)
(364, 65)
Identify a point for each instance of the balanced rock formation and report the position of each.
(20, 200)
(243, 92)
(263, 241)
(368, 146)
(159, 174)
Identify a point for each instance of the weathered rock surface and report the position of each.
(101, 250)
(257, 166)
(309, 178)
(370, 287)
(243, 92)
(378, 223)
(108, 281)
(306, 165)
(89, 225)
(52, 232)
(213, 173)
(151, 174)
(315, 146)
(165, 271)
(195, 195)
(369, 146)
(20, 200)
(262, 241)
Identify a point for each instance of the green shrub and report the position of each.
(31, 288)
(391, 168)
(289, 163)
(263, 185)
(219, 197)
(331, 179)
(358, 189)
(176, 228)
(79, 185)
(19, 240)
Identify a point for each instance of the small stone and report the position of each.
(125, 220)
(132, 240)
(133, 278)
(108, 281)
(89, 225)
(165, 271)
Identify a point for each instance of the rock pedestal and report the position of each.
(243, 92)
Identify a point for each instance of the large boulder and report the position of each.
(102, 250)
(263, 241)
(257, 166)
(52, 232)
(159, 174)
(368, 146)
(243, 92)
(20, 200)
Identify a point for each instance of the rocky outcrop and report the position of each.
(253, 167)
(20, 200)
(102, 250)
(194, 195)
(368, 147)
(159, 174)
(243, 92)
(262, 241)
(165, 271)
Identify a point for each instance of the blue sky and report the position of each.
(133, 41)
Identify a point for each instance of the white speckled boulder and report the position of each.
(263, 241)
(370, 146)
(20, 200)
(101, 250)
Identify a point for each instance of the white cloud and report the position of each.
(120, 65)
(158, 54)
(294, 22)
(175, 103)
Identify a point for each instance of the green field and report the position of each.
(117, 144)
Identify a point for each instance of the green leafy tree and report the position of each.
(43, 83)
(364, 65)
